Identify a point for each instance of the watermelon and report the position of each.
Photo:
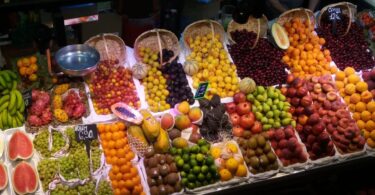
(3, 177)
(24, 178)
(126, 113)
(20, 146)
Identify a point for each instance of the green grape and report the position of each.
(41, 143)
(47, 169)
(104, 188)
(58, 141)
(67, 167)
(74, 145)
(87, 189)
(96, 158)
(82, 163)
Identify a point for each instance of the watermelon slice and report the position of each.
(24, 178)
(20, 146)
(3, 177)
(126, 113)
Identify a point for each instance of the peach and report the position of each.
(366, 96)
(182, 122)
(195, 114)
(167, 121)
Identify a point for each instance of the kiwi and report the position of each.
(267, 148)
(154, 190)
(254, 162)
(173, 168)
(172, 178)
(164, 170)
(151, 181)
(159, 181)
(250, 153)
(259, 151)
(162, 190)
(174, 133)
(149, 152)
(152, 162)
(154, 173)
(162, 159)
(169, 189)
(263, 160)
(261, 141)
(252, 143)
(271, 157)
(169, 159)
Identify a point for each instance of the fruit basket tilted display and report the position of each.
(301, 13)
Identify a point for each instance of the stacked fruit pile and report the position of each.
(349, 50)
(72, 106)
(12, 105)
(257, 152)
(310, 127)
(197, 168)
(369, 78)
(28, 67)
(162, 173)
(265, 69)
(124, 175)
(40, 111)
(286, 146)
(270, 107)
(110, 85)
(304, 56)
(42, 146)
(213, 65)
(333, 113)
(359, 100)
(230, 160)
(155, 83)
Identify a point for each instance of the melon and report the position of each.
(3, 177)
(24, 178)
(20, 146)
(139, 70)
(247, 85)
(280, 36)
(126, 113)
(191, 67)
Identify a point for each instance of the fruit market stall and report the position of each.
(213, 112)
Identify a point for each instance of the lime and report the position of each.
(192, 156)
(186, 167)
(213, 169)
(186, 157)
(195, 149)
(177, 158)
(180, 163)
(193, 162)
(209, 160)
(205, 183)
(204, 149)
(184, 181)
(196, 169)
(191, 185)
(185, 151)
(204, 169)
(198, 184)
(201, 177)
(179, 151)
(183, 174)
(173, 151)
(208, 176)
(191, 177)
(202, 142)
(200, 157)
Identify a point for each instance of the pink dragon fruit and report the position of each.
(34, 120)
(79, 110)
(36, 110)
(44, 97)
(35, 94)
(46, 117)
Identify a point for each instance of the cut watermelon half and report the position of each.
(3, 177)
(25, 179)
(20, 146)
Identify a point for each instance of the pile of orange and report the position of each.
(27, 67)
(304, 55)
(124, 176)
(359, 100)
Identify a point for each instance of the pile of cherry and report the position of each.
(263, 63)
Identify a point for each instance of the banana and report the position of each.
(12, 101)
(9, 85)
(10, 120)
(19, 123)
(4, 117)
(4, 99)
(5, 91)
(2, 82)
(1, 124)
(14, 122)
(6, 76)
(4, 106)
(19, 99)
(22, 109)
(13, 111)
(20, 117)
(11, 74)
(14, 85)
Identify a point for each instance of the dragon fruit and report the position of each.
(34, 120)
(79, 110)
(73, 105)
(40, 113)
(34, 94)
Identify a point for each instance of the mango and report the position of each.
(162, 143)
(151, 128)
(180, 142)
(137, 132)
(182, 122)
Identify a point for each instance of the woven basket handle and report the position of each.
(350, 19)
(160, 48)
(307, 17)
(105, 46)
(258, 34)
(212, 29)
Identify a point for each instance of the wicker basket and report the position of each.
(347, 9)
(259, 26)
(157, 40)
(201, 28)
(301, 13)
(109, 46)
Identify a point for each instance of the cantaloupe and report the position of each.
(280, 36)
(247, 85)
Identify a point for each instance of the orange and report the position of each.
(104, 144)
(137, 189)
(129, 184)
(371, 143)
(361, 86)
(109, 159)
(127, 176)
(115, 184)
(350, 89)
(339, 84)
(119, 143)
(19, 63)
(115, 169)
(121, 134)
(370, 126)
(111, 176)
(349, 71)
(101, 128)
(114, 128)
(115, 160)
(125, 168)
(34, 67)
(136, 180)
(25, 61)
(361, 124)
(371, 106)
(122, 161)
(355, 98)
(119, 176)
(373, 116)
(33, 60)
(111, 144)
(116, 191)
(23, 71)
(340, 76)
(112, 152)
(360, 107)
(326, 52)
(130, 155)
(108, 135)
(121, 126)
(124, 191)
(365, 116)
(107, 127)
(121, 153)
(115, 135)
(356, 116)
(225, 175)
(241, 171)
(121, 184)
(322, 41)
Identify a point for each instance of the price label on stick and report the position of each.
(201, 90)
(27, 97)
(86, 133)
(334, 15)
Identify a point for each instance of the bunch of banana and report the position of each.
(12, 105)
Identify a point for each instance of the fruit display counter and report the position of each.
(216, 112)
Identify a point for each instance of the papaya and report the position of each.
(145, 113)
(151, 128)
(162, 143)
(280, 36)
(137, 132)
(180, 142)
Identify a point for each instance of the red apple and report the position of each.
(235, 119)
(243, 108)
(230, 107)
(247, 121)
(257, 127)
(239, 97)
(237, 131)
